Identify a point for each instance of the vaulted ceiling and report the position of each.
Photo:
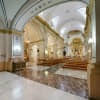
(9, 8)
(66, 17)
(16, 13)
(63, 18)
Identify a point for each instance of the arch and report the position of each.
(2, 25)
(69, 21)
(71, 26)
(32, 8)
(76, 36)
(73, 32)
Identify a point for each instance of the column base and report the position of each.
(8, 66)
(94, 81)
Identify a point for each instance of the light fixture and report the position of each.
(27, 41)
(41, 14)
(55, 21)
(46, 52)
(82, 11)
(58, 52)
(46, 73)
(89, 51)
(90, 40)
(62, 31)
(82, 26)
(17, 48)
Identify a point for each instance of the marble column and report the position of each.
(98, 31)
(8, 51)
(5, 49)
(2, 50)
(94, 69)
(45, 37)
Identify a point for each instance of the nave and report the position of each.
(49, 50)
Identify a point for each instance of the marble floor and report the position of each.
(57, 69)
(13, 87)
(53, 77)
(73, 73)
(38, 68)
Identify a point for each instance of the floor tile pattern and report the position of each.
(69, 84)
(73, 73)
(13, 87)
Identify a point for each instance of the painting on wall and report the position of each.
(17, 45)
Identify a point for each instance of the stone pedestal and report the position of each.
(94, 81)
(94, 69)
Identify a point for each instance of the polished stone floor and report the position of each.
(51, 76)
(13, 87)
(73, 73)
(57, 69)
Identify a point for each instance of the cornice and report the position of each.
(8, 31)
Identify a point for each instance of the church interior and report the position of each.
(49, 53)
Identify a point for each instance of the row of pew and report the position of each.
(48, 62)
(76, 63)
(68, 62)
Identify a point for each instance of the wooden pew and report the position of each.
(73, 63)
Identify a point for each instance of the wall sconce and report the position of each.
(28, 41)
(46, 52)
(90, 41)
(17, 48)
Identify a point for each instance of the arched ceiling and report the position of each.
(66, 17)
(76, 36)
(32, 7)
(9, 9)
(69, 15)
(12, 7)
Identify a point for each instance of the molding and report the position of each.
(18, 12)
(74, 32)
(36, 41)
(7, 31)
(4, 12)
